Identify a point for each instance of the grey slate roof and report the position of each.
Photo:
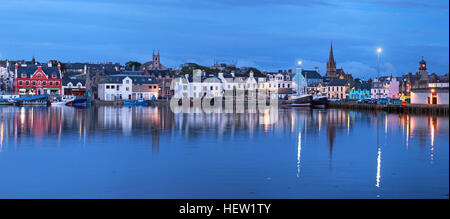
(74, 82)
(311, 74)
(136, 79)
(29, 70)
(338, 82)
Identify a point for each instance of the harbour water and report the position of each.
(150, 152)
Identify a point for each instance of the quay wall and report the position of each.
(394, 108)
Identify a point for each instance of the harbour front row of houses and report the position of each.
(152, 81)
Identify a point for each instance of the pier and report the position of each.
(394, 108)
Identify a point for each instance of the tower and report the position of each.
(331, 64)
(156, 61)
(423, 70)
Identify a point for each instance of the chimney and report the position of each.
(232, 73)
(59, 67)
(15, 69)
(49, 64)
(85, 69)
(251, 74)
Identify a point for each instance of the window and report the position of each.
(118, 87)
(57, 83)
(20, 83)
(128, 89)
(53, 75)
(150, 87)
(112, 87)
(154, 87)
(34, 83)
(51, 83)
(27, 83)
(168, 92)
(107, 86)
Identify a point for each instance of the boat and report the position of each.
(5, 102)
(62, 101)
(299, 101)
(79, 102)
(137, 103)
(300, 98)
(33, 100)
(319, 102)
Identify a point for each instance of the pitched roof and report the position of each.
(338, 82)
(311, 74)
(29, 70)
(136, 79)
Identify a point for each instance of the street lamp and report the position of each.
(379, 50)
(299, 62)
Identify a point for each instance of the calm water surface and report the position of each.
(149, 152)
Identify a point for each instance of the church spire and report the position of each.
(331, 64)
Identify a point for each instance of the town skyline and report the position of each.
(270, 35)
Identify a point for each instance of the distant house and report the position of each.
(37, 80)
(164, 78)
(360, 90)
(282, 81)
(338, 88)
(128, 87)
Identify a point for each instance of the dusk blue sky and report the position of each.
(268, 34)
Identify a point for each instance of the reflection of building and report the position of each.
(37, 80)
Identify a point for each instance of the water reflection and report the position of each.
(301, 144)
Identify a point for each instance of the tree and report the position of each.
(136, 64)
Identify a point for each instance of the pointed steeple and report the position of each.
(331, 57)
(331, 64)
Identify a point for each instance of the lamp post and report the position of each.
(379, 50)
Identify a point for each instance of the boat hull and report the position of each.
(140, 103)
(320, 102)
(303, 101)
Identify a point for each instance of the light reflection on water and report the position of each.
(149, 152)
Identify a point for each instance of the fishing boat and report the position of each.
(79, 102)
(5, 102)
(319, 102)
(62, 101)
(299, 101)
(34, 100)
(137, 103)
(300, 98)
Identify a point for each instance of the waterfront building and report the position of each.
(338, 88)
(197, 85)
(281, 80)
(37, 79)
(75, 87)
(360, 90)
(385, 87)
(128, 87)
(431, 95)
(164, 78)
(312, 76)
(6, 78)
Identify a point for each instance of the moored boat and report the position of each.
(5, 102)
(319, 102)
(137, 103)
(299, 101)
(78, 102)
(34, 100)
(61, 101)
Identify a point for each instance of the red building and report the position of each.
(37, 80)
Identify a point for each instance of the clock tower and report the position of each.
(423, 70)
(423, 65)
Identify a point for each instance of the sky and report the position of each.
(267, 34)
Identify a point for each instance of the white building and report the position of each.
(197, 85)
(128, 87)
(385, 87)
(6, 79)
(432, 95)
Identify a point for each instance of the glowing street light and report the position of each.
(379, 50)
(299, 62)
